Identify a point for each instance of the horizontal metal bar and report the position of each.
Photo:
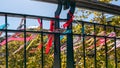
(28, 16)
(93, 5)
(49, 18)
(101, 36)
(39, 32)
(99, 24)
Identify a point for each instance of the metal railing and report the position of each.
(83, 54)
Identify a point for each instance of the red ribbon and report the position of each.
(51, 25)
(56, 16)
(50, 37)
(14, 39)
(69, 21)
(49, 44)
(39, 21)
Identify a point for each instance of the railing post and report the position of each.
(6, 34)
(57, 59)
(106, 48)
(95, 62)
(25, 42)
(42, 52)
(83, 38)
(70, 53)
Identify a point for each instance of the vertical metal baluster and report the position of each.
(42, 54)
(83, 38)
(6, 34)
(70, 53)
(25, 42)
(57, 54)
(115, 49)
(95, 63)
(106, 49)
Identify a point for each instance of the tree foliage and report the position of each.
(34, 54)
